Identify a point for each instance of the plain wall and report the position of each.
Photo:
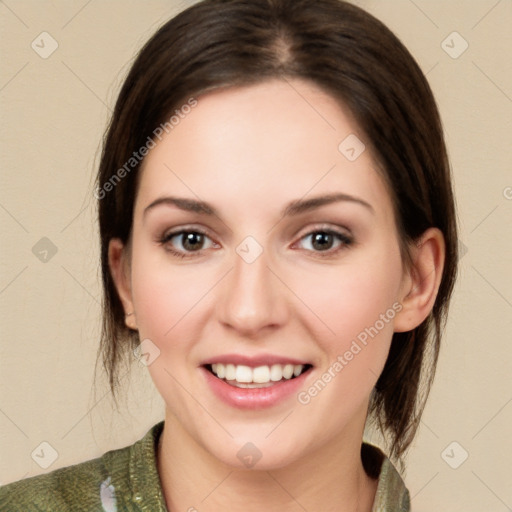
(54, 112)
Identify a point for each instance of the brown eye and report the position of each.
(325, 240)
(183, 242)
(192, 241)
(322, 241)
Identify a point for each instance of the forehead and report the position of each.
(263, 145)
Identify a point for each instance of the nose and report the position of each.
(252, 298)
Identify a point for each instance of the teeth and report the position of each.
(230, 371)
(243, 374)
(276, 372)
(288, 371)
(220, 370)
(260, 375)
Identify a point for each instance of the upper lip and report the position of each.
(253, 361)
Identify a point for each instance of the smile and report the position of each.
(257, 382)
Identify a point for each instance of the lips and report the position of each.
(254, 382)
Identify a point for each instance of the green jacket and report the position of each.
(126, 480)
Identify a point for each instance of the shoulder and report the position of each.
(100, 484)
(58, 490)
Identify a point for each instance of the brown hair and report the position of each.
(356, 59)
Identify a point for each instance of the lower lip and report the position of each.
(254, 398)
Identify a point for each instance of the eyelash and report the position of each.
(346, 242)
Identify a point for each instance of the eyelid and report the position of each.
(193, 228)
(168, 233)
(325, 226)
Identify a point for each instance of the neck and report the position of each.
(331, 479)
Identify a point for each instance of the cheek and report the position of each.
(168, 299)
(164, 294)
(355, 301)
(358, 303)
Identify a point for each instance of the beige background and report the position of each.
(54, 112)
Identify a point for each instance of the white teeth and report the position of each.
(243, 374)
(230, 373)
(220, 371)
(288, 371)
(260, 375)
(276, 372)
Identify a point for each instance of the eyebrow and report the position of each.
(293, 208)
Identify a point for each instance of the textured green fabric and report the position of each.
(127, 480)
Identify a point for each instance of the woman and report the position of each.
(279, 248)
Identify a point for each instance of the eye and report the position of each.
(326, 241)
(185, 243)
(190, 243)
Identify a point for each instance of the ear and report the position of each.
(421, 281)
(118, 261)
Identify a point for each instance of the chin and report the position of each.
(259, 454)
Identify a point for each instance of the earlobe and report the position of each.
(119, 269)
(422, 281)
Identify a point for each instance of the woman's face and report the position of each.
(263, 237)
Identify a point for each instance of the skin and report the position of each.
(249, 152)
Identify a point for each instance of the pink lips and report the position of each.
(253, 398)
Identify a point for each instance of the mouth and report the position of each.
(255, 382)
(264, 376)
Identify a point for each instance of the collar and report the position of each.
(146, 491)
